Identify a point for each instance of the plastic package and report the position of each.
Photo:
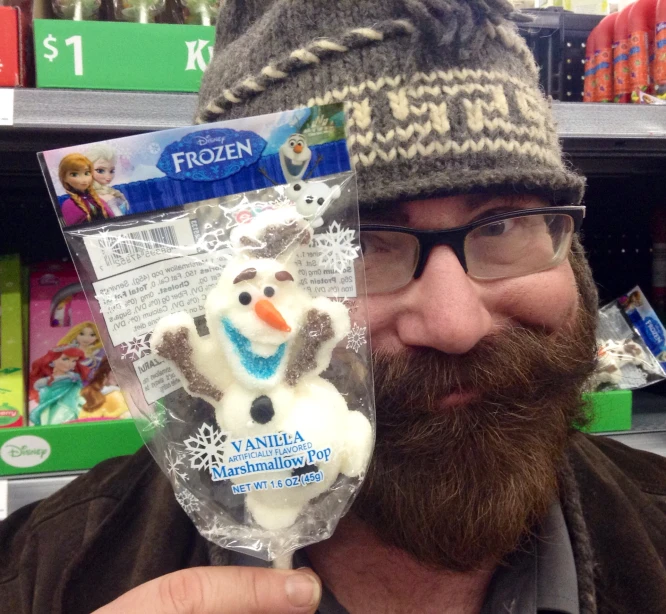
(202, 12)
(231, 319)
(139, 11)
(77, 10)
(625, 361)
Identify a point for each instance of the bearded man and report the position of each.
(482, 495)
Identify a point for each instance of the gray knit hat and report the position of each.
(443, 94)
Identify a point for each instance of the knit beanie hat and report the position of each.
(443, 95)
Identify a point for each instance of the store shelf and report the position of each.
(23, 490)
(72, 111)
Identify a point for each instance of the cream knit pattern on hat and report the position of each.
(443, 95)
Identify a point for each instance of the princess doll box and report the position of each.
(12, 382)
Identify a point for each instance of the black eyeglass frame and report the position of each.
(455, 237)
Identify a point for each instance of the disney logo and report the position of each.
(16, 451)
(207, 139)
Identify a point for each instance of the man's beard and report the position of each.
(459, 487)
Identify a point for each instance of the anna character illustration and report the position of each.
(83, 205)
(86, 337)
(103, 159)
(56, 380)
(102, 396)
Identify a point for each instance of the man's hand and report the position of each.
(222, 590)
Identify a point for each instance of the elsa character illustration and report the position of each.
(56, 380)
(103, 398)
(103, 159)
(83, 205)
(86, 337)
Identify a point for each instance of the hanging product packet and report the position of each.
(228, 291)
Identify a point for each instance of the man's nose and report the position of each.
(444, 308)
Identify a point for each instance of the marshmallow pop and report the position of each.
(260, 367)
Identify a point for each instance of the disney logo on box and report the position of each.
(25, 451)
(211, 155)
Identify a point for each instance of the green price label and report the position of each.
(121, 56)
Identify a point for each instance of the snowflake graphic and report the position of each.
(356, 337)
(349, 303)
(154, 148)
(136, 348)
(336, 249)
(188, 501)
(214, 529)
(156, 420)
(175, 466)
(206, 448)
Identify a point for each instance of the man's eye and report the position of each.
(496, 229)
(372, 245)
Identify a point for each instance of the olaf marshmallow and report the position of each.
(260, 367)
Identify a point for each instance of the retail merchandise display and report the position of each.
(632, 344)
(12, 343)
(156, 45)
(625, 59)
(69, 375)
(226, 290)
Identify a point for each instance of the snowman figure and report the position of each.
(295, 155)
(312, 199)
(260, 366)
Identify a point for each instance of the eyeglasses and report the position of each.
(506, 245)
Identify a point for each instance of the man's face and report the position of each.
(477, 384)
(447, 310)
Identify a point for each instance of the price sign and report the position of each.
(52, 53)
(122, 56)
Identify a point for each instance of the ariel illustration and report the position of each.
(56, 380)
(83, 205)
(86, 337)
(103, 159)
(103, 398)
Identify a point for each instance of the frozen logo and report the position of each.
(211, 155)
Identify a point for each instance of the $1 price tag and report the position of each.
(52, 47)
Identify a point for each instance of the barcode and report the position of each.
(118, 250)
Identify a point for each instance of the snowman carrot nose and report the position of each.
(269, 314)
(298, 148)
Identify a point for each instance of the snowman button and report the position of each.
(262, 410)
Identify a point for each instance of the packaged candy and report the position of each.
(201, 12)
(227, 297)
(625, 361)
(139, 11)
(77, 10)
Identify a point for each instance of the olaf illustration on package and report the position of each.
(295, 155)
(260, 367)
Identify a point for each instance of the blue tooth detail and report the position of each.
(255, 365)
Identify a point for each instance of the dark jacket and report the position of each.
(119, 526)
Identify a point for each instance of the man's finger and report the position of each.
(222, 590)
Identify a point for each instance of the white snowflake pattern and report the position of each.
(214, 529)
(356, 337)
(175, 466)
(154, 148)
(206, 448)
(336, 249)
(155, 421)
(136, 348)
(188, 501)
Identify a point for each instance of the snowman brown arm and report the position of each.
(317, 330)
(175, 346)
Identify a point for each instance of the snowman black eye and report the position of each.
(245, 298)
(268, 291)
(297, 187)
(309, 199)
(321, 201)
